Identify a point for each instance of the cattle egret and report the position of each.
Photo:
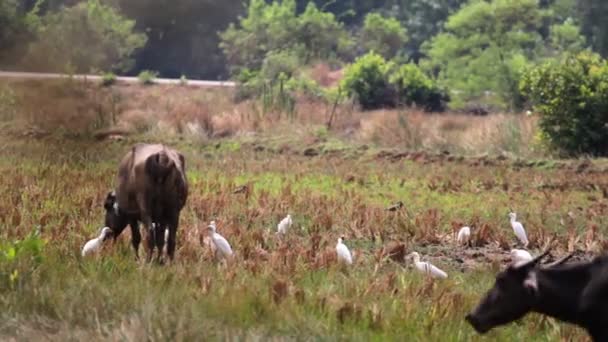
(464, 235)
(427, 268)
(222, 247)
(518, 229)
(92, 246)
(284, 225)
(520, 257)
(344, 255)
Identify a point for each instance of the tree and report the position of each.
(86, 37)
(9, 23)
(182, 35)
(276, 26)
(423, 19)
(321, 35)
(486, 45)
(572, 98)
(386, 36)
(566, 37)
(594, 24)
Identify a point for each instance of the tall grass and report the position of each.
(210, 113)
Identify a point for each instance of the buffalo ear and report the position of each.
(531, 283)
(110, 200)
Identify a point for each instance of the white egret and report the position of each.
(93, 246)
(518, 229)
(427, 267)
(222, 247)
(520, 257)
(284, 225)
(344, 255)
(464, 235)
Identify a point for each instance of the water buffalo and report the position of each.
(576, 293)
(151, 188)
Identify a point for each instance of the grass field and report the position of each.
(53, 189)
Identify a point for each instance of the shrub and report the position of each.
(572, 97)
(415, 88)
(147, 77)
(366, 79)
(108, 79)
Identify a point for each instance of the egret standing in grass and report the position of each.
(427, 268)
(344, 255)
(520, 256)
(464, 235)
(284, 225)
(518, 229)
(93, 246)
(222, 247)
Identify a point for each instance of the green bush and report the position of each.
(572, 97)
(367, 80)
(147, 77)
(414, 88)
(108, 79)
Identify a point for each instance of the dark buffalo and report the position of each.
(576, 293)
(151, 188)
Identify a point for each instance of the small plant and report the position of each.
(147, 77)
(108, 79)
(183, 81)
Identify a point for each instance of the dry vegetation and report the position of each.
(210, 113)
(54, 185)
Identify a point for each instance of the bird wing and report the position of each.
(282, 226)
(520, 232)
(463, 234)
(222, 244)
(344, 253)
(436, 272)
(90, 247)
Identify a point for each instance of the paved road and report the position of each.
(35, 75)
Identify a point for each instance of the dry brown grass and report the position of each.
(325, 76)
(496, 133)
(210, 113)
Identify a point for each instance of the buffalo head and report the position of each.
(115, 218)
(513, 295)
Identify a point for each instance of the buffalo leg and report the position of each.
(135, 237)
(159, 231)
(144, 204)
(172, 235)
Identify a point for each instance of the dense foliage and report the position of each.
(383, 35)
(572, 98)
(477, 51)
(367, 80)
(86, 37)
(376, 83)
